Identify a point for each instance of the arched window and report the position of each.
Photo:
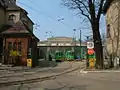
(11, 17)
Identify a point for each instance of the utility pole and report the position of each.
(74, 39)
(80, 43)
(74, 43)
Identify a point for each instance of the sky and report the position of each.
(55, 19)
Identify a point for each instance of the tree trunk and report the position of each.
(98, 45)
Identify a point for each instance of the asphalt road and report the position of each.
(77, 80)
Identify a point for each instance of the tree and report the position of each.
(92, 10)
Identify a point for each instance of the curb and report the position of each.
(27, 81)
(102, 71)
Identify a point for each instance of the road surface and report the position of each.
(76, 80)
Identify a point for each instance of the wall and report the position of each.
(34, 52)
(16, 13)
(2, 17)
(24, 47)
(113, 19)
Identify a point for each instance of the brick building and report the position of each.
(19, 42)
(3, 24)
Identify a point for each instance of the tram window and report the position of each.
(61, 53)
(57, 53)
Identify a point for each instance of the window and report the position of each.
(15, 46)
(29, 51)
(108, 31)
(20, 47)
(11, 17)
(9, 46)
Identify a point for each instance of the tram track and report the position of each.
(33, 72)
(30, 71)
(38, 79)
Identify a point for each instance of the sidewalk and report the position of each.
(103, 70)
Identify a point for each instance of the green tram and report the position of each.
(62, 56)
(59, 56)
(69, 55)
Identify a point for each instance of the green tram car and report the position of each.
(62, 56)
(69, 55)
(59, 56)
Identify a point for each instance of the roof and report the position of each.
(30, 31)
(61, 42)
(106, 5)
(15, 7)
(62, 38)
(18, 28)
(4, 27)
(2, 4)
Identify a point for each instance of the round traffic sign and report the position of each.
(91, 51)
(90, 45)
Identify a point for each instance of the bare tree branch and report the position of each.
(85, 6)
(80, 8)
(92, 10)
(100, 9)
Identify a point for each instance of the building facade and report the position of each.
(19, 42)
(2, 13)
(2, 24)
(112, 12)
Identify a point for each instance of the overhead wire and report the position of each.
(48, 16)
(45, 14)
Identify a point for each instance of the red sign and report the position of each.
(91, 51)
